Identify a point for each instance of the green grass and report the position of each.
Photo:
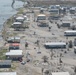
(2, 54)
(20, 11)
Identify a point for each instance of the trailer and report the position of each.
(13, 39)
(5, 63)
(16, 24)
(60, 73)
(43, 23)
(14, 54)
(19, 19)
(70, 33)
(51, 45)
(8, 73)
(14, 46)
(66, 24)
(41, 17)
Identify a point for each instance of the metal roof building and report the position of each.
(8, 73)
(5, 63)
(70, 33)
(55, 45)
(14, 54)
(60, 73)
(20, 19)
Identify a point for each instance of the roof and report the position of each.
(60, 73)
(67, 18)
(66, 22)
(12, 38)
(54, 9)
(75, 47)
(14, 44)
(19, 18)
(16, 37)
(8, 73)
(41, 15)
(73, 8)
(14, 52)
(17, 23)
(25, 16)
(5, 62)
(70, 31)
(55, 43)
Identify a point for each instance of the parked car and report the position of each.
(23, 62)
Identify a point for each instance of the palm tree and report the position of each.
(47, 72)
(42, 70)
(45, 59)
(60, 61)
(75, 69)
(51, 54)
(70, 44)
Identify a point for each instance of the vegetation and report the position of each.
(2, 54)
(20, 10)
(45, 59)
(70, 44)
(13, 67)
(75, 69)
(9, 21)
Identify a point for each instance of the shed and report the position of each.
(8, 73)
(60, 73)
(52, 45)
(5, 63)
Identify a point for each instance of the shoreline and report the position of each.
(5, 24)
(38, 51)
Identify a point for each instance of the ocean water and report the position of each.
(7, 11)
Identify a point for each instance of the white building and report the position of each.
(8, 73)
(73, 10)
(20, 19)
(17, 24)
(14, 54)
(41, 17)
(55, 45)
(70, 33)
(60, 73)
(66, 24)
(14, 39)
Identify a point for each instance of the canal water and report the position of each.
(7, 11)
